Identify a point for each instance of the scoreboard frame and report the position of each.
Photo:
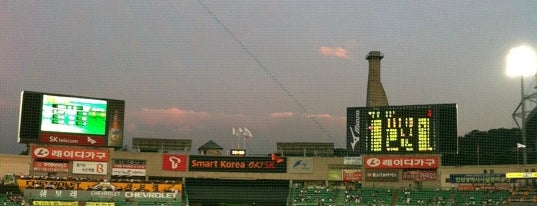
(402, 129)
(34, 110)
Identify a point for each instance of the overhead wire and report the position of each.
(302, 107)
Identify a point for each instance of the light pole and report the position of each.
(521, 61)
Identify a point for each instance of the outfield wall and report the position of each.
(296, 169)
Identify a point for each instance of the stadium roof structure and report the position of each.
(305, 149)
(210, 145)
(161, 145)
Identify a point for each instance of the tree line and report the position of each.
(493, 147)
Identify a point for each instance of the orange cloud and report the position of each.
(334, 52)
(319, 115)
(169, 117)
(282, 114)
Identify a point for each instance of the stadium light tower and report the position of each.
(521, 61)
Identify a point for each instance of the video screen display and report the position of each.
(73, 115)
(407, 129)
(70, 120)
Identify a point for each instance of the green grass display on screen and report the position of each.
(73, 115)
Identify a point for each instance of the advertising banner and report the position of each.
(128, 170)
(352, 160)
(71, 139)
(174, 162)
(335, 174)
(99, 204)
(300, 165)
(25, 184)
(420, 175)
(478, 178)
(487, 187)
(115, 122)
(273, 164)
(521, 175)
(90, 168)
(63, 119)
(382, 175)
(351, 175)
(401, 162)
(51, 166)
(54, 203)
(71, 154)
(81, 195)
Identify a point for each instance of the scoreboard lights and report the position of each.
(238, 152)
(73, 115)
(402, 129)
(70, 120)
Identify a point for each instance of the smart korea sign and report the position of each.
(273, 164)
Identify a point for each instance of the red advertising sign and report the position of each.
(71, 154)
(51, 166)
(419, 175)
(401, 162)
(382, 175)
(174, 162)
(205, 163)
(71, 139)
(352, 175)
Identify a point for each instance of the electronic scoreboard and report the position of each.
(47, 118)
(402, 129)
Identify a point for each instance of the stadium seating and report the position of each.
(397, 197)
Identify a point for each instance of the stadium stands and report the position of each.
(327, 196)
(316, 193)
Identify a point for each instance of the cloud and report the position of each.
(201, 126)
(319, 116)
(282, 114)
(171, 118)
(338, 52)
(173, 115)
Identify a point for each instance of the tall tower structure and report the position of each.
(375, 92)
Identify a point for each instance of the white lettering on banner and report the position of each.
(430, 162)
(54, 165)
(159, 195)
(57, 153)
(43, 193)
(387, 162)
(397, 162)
(106, 193)
(73, 193)
(124, 166)
(79, 154)
(128, 172)
(70, 154)
(401, 162)
(417, 162)
(408, 162)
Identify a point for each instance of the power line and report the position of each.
(303, 109)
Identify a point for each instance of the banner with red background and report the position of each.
(401, 162)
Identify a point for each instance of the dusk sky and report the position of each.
(286, 70)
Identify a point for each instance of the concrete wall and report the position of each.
(16, 164)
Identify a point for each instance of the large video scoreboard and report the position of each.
(73, 120)
(407, 129)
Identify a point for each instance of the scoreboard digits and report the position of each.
(394, 132)
(69, 115)
(403, 129)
